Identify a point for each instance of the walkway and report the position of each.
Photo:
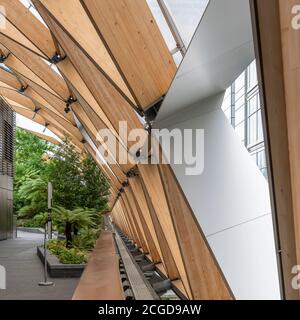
(25, 271)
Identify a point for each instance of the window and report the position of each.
(241, 106)
(252, 76)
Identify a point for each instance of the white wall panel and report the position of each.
(231, 202)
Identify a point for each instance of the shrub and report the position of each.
(38, 221)
(55, 246)
(86, 238)
(71, 221)
(71, 256)
(65, 255)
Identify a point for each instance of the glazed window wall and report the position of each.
(242, 107)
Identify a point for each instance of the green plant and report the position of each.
(76, 182)
(71, 221)
(96, 190)
(71, 256)
(65, 255)
(40, 219)
(37, 221)
(56, 246)
(86, 238)
(33, 193)
(29, 162)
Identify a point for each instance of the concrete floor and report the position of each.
(24, 271)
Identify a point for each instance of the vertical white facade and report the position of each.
(231, 202)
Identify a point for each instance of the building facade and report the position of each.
(242, 107)
(7, 135)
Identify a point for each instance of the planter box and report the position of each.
(31, 230)
(57, 269)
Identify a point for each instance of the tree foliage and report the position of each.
(69, 220)
(77, 183)
(31, 162)
(76, 179)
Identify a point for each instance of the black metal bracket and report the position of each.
(23, 89)
(125, 184)
(138, 153)
(3, 58)
(140, 111)
(148, 127)
(151, 111)
(67, 109)
(46, 126)
(133, 172)
(57, 58)
(68, 102)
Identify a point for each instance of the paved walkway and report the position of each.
(25, 270)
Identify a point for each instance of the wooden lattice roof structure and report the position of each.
(98, 62)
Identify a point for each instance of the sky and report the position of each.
(26, 123)
(186, 14)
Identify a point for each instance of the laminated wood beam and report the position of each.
(36, 65)
(29, 26)
(47, 114)
(11, 102)
(136, 218)
(90, 105)
(43, 136)
(31, 115)
(39, 101)
(16, 96)
(4, 85)
(199, 260)
(145, 217)
(120, 214)
(159, 209)
(9, 79)
(90, 121)
(154, 254)
(128, 217)
(61, 135)
(16, 65)
(96, 118)
(3, 51)
(61, 123)
(13, 33)
(136, 44)
(77, 24)
(12, 79)
(167, 256)
(82, 92)
(108, 172)
(112, 102)
(51, 99)
(127, 226)
(79, 112)
(279, 76)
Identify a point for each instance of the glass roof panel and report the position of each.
(186, 14)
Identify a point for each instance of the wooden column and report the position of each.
(277, 50)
